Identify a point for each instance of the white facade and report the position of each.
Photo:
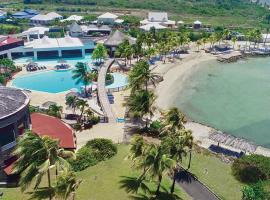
(107, 18)
(160, 18)
(75, 18)
(53, 45)
(45, 19)
(156, 26)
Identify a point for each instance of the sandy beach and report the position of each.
(175, 74)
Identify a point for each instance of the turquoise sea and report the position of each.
(234, 98)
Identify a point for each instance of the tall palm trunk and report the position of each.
(85, 90)
(189, 160)
(174, 180)
(159, 183)
(49, 181)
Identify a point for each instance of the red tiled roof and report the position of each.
(55, 128)
(8, 40)
(9, 168)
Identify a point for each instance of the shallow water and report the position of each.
(58, 81)
(234, 98)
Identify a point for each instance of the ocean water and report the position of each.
(233, 97)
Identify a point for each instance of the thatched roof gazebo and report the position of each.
(115, 39)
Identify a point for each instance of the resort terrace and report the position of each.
(54, 48)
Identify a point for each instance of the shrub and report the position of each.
(252, 168)
(93, 152)
(155, 127)
(2, 80)
(84, 159)
(255, 192)
(102, 149)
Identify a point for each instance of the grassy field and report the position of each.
(216, 175)
(102, 181)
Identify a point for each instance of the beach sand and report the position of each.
(175, 74)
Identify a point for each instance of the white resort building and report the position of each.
(53, 48)
(34, 33)
(108, 18)
(75, 18)
(46, 19)
(92, 30)
(158, 20)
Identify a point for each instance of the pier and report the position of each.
(102, 92)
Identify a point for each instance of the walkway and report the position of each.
(102, 92)
(194, 188)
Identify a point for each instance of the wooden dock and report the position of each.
(102, 92)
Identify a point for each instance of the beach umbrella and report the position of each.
(62, 61)
(72, 94)
(47, 104)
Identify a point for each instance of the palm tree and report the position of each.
(36, 156)
(226, 34)
(137, 145)
(55, 110)
(71, 102)
(177, 147)
(157, 164)
(198, 44)
(265, 39)
(124, 50)
(81, 75)
(140, 103)
(66, 185)
(81, 105)
(173, 120)
(234, 40)
(99, 53)
(64, 188)
(188, 143)
(141, 75)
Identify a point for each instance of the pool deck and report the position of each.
(102, 91)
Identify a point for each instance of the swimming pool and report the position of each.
(58, 81)
(52, 62)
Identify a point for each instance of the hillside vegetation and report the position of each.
(239, 13)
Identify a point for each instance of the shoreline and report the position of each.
(175, 75)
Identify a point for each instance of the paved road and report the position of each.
(193, 187)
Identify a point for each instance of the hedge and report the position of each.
(251, 168)
(93, 152)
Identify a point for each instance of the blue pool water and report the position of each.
(58, 81)
(46, 62)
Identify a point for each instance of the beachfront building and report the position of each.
(197, 24)
(8, 43)
(92, 30)
(26, 14)
(150, 26)
(107, 18)
(96, 30)
(115, 39)
(160, 18)
(3, 15)
(54, 48)
(34, 33)
(45, 19)
(73, 18)
(14, 119)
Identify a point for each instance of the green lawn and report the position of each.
(216, 175)
(102, 181)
